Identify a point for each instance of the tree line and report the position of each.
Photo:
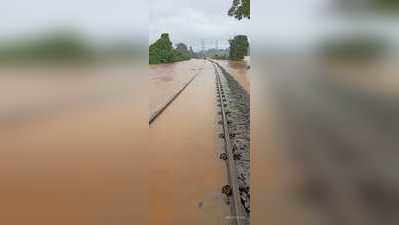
(162, 50)
(64, 46)
(239, 48)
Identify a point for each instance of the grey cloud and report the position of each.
(193, 21)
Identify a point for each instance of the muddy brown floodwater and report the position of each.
(74, 147)
(71, 149)
(326, 144)
(239, 70)
(186, 173)
(167, 79)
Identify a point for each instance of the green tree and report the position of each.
(240, 9)
(239, 47)
(162, 51)
(181, 47)
(185, 52)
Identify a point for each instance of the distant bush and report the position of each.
(386, 4)
(185, 52)
(50, 47)
(162, 51)
(355, 48)
(221, 57)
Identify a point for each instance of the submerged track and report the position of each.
(159, 112)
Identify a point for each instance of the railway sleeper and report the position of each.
(227, 190)
(223, 156)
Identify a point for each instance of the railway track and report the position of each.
(231, 190)
(157, 113)
(235, 142)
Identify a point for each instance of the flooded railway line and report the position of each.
(232, 130)
(234, 104)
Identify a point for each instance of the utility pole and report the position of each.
(217, 45)
(203, 47)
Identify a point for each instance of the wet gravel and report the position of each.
(238, 104)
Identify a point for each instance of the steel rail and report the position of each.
(238, 214)
(158, 112)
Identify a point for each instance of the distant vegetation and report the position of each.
(182, 48)
(61, 46)
(385, 5)
(240, 9)
(55, 47)
(389, 5)
(354, 48)
(222, 57)
(239, 47)
(162, 51)
(216, 53)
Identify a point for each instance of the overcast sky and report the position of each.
(188, 21)
(272, 21)
(191, 21)
(98, 18)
